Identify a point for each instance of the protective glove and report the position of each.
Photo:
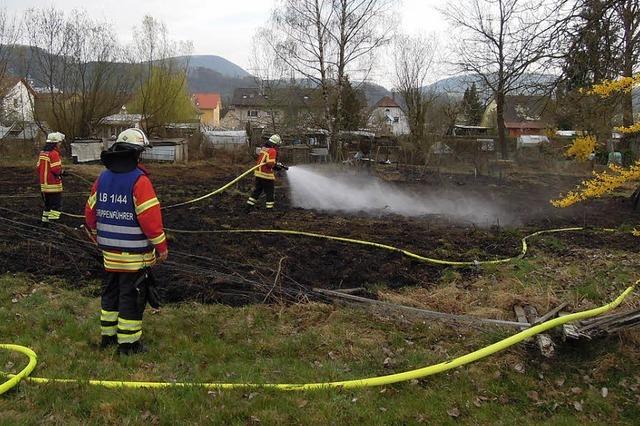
(280, 166)
(162, 256)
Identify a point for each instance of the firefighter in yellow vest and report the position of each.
(50, 174)
(265, 174)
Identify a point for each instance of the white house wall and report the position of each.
(397, 129)
(17, 105)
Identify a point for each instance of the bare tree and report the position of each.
(628, 15)
(360, 28)
(160, 67)
(323, 41)
(270, 76)
(591, 53)
(505, 42)
(413, 59)
(9, 31)
(79, 62)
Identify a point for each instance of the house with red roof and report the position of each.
(209, 106)
(523, 115)
(388, 117)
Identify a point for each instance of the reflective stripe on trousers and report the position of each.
(129, 331)
(108, 322)
(131, 262)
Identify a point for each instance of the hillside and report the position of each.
(456, 85)
(217, 64)
(202, 79)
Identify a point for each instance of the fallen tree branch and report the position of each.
(419, 312)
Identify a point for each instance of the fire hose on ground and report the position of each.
(418, 373)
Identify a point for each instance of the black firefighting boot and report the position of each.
(132, 348)
(108, 341)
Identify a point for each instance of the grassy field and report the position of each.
(302, 343)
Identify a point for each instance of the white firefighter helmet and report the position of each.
(275, 139)
(133, 138)
(55, 137)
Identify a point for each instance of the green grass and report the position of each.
(192, 342)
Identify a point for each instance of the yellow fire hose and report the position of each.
(217, 191)
(347, 384)
(195, 200)
(14, 379)
(523, 250)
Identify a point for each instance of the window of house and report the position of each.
(252, 113)
(386, 110)
(396, 119)
(15, 102)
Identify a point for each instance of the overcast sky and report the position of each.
(221, 27)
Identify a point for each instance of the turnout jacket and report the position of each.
(50, 169)
(267, 158)
(123, 215)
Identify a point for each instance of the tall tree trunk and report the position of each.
(502, 139)
(627, 71)
(327, 116)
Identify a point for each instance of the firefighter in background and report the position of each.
(265, 176)
(123, 217)
(50, 173)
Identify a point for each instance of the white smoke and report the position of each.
(330, 191)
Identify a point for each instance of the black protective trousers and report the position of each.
(122, 306)
(263, 185)
(52, 206)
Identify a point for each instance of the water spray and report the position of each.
(334, 191)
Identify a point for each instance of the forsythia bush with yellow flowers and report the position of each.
(612, 179)
(631, 129)
(600, 184)
(621, 85)
(610, 87)
(582, 147)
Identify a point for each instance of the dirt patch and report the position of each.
(237, 269)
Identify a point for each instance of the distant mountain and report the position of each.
(202, 79)
(533, 83)
(215, 63)
(454, 85)
(373, 92)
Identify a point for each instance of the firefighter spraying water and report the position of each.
(265, 176)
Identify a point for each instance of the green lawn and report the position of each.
(192, 342)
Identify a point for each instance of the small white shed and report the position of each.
(175, 151)
(527, 141)
(86, 150)
(226, 139)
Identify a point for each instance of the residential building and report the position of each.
(387, 116)
(269, 108)
(209, 106)
(17, 101)
(523, 115)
